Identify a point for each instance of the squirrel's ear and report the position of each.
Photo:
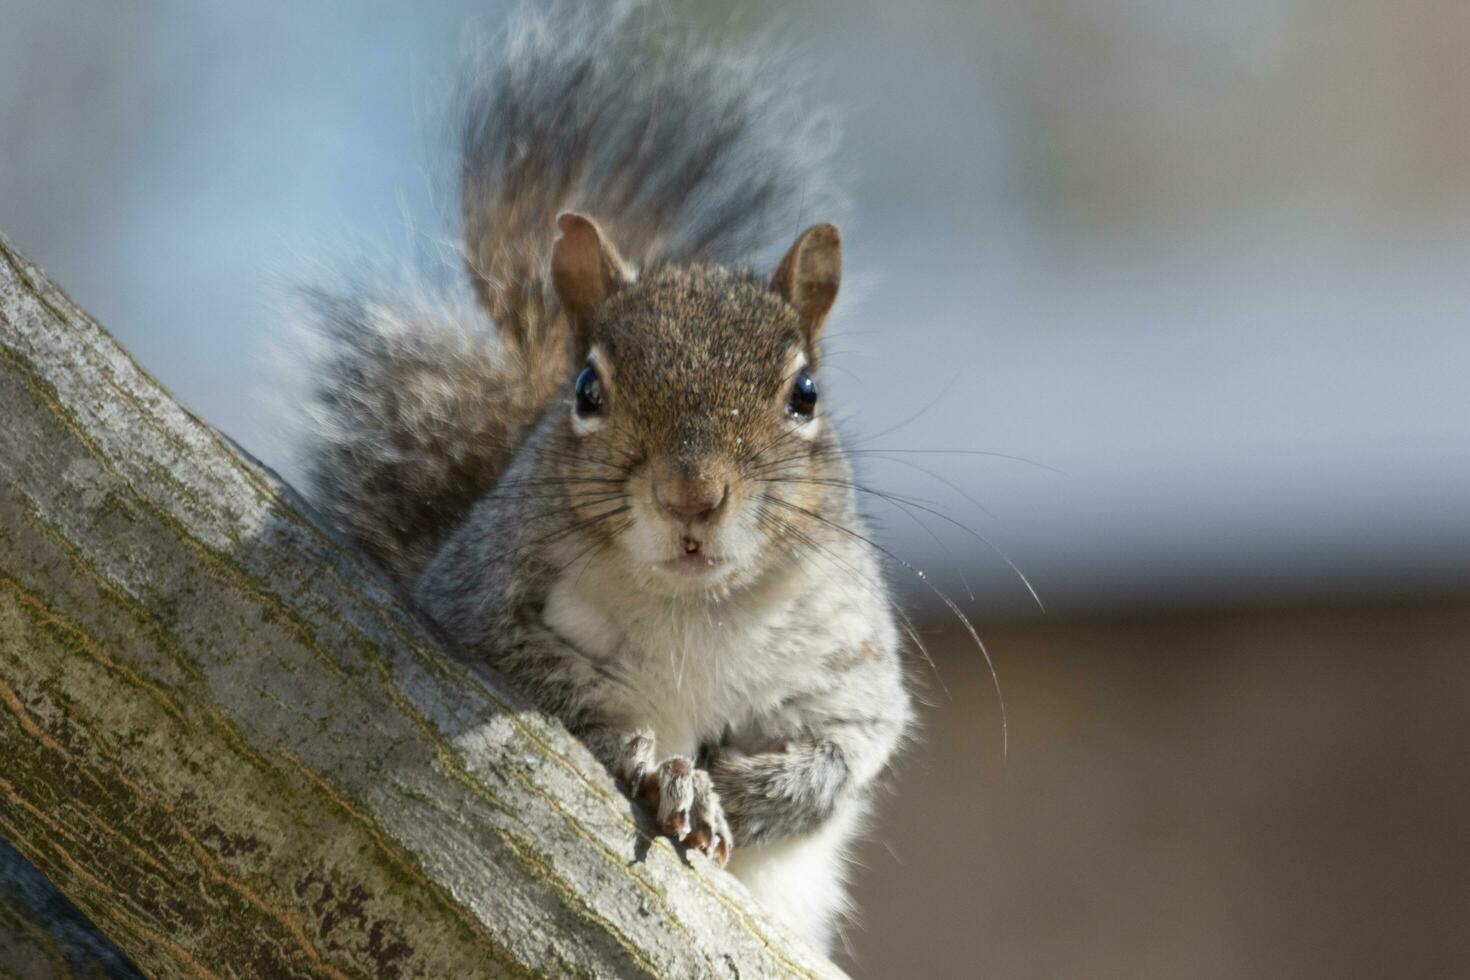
(808, 276)
(585, 269)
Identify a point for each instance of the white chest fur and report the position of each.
(689, 667)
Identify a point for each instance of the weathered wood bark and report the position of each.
(226, 739)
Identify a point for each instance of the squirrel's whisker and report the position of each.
(939, 593)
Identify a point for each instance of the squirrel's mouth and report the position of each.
(694, 559)
(695, 564)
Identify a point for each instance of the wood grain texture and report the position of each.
(239, 752)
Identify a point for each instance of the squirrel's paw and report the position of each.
(687, 807)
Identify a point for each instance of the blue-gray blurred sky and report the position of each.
(1207, 260)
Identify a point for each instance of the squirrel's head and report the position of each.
(694, 441)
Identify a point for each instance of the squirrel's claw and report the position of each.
(711, 834)
(675, 796)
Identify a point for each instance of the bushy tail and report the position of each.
(682, 153)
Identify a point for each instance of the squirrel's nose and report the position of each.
(691, 499)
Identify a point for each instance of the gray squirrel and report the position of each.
(617, 483)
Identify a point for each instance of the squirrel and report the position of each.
(617, 483)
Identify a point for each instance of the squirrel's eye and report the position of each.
(803, 401)
(589, 392)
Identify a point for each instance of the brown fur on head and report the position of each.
(698, 443)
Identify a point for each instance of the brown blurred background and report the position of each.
(1205, 263)
(1258, 791)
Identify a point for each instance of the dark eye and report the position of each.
(589, 392)
(803, 400)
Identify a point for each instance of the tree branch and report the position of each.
(237, 750)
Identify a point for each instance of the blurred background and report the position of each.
(1198, 273)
